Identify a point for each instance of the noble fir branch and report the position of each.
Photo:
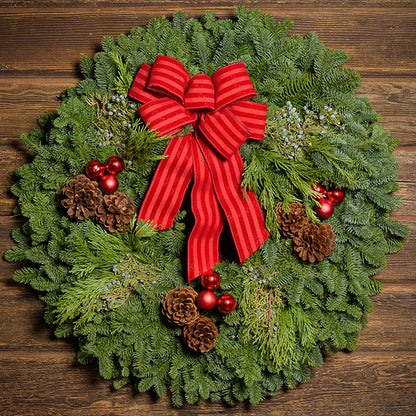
(392, 227)
(87, 67)
(375, 287)
(309, 49)
(105, 69)
(296, 89)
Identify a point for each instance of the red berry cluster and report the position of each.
(327, 201)
(207, 299)
(105, 173)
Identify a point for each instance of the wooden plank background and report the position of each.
(42, 42)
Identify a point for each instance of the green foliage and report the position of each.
(105, 289)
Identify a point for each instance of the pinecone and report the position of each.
(292, 223)
(81, 197)
(201, 335)
(315, 242)
(179, 306)
(115, 211)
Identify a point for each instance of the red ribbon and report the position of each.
(222, 119)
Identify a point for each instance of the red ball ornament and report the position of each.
(210, 280)
(226, 303)
(206, 299)
(95, 169)
(325, 210)
(114, 165)
(319, 188)
(336, 196)
(108, 184)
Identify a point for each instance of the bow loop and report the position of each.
(168, 76)
(232, 84)
(139, 90)
(200, 94)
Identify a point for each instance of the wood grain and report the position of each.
(42, 43)
(370, 379)
(351, 29)
(208, 5)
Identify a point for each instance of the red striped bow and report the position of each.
(222, 119)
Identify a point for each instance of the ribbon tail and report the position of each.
(203, 243)
(242, 210)
(168, 187)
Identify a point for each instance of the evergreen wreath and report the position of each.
(104, 276)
